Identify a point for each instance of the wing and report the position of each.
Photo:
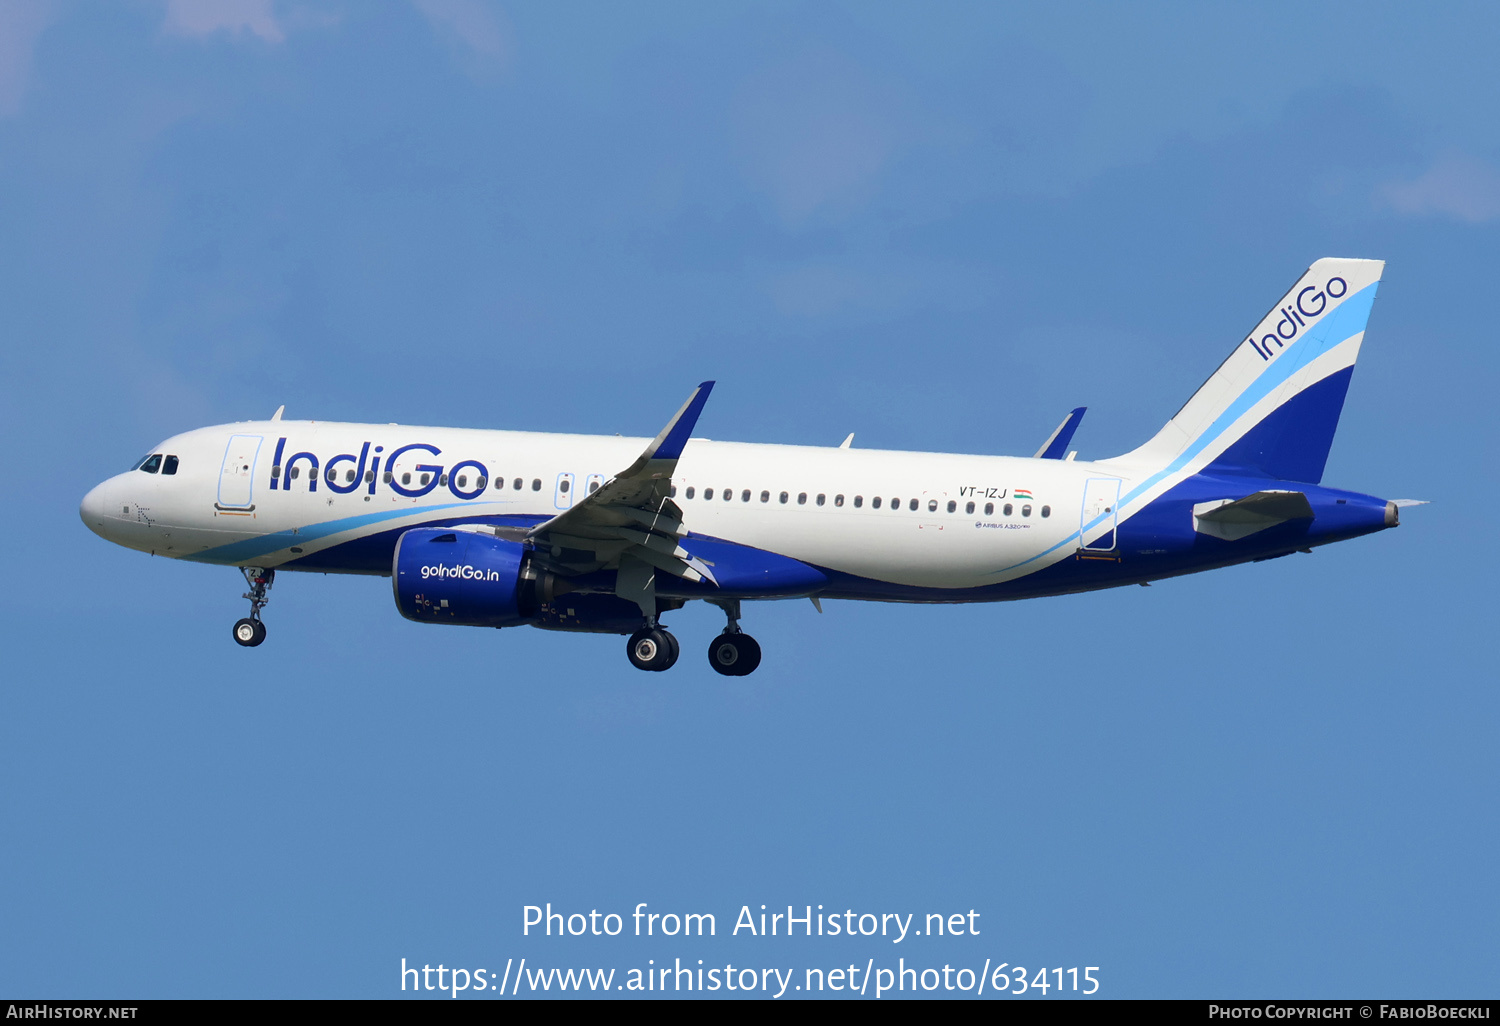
(632, 515)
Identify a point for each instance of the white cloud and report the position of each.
(21, 22)
(476, 28)
(200, 18)
(1456, 185)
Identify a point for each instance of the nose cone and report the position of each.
(95, 508)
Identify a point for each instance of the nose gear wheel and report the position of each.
(249, 631)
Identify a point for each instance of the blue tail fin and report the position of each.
(1272, 407)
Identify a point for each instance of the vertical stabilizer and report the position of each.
(1271, 408)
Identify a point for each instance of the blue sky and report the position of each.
(940, 228)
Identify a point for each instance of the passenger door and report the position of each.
(237, 474)
(1101, 498)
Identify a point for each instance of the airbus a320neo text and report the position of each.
(607, 534)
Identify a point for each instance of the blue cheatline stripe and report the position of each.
(1342, 324)
(252, 548)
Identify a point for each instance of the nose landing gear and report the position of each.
(249, 631)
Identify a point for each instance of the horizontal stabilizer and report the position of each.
(1233, 519)
(1056, 444)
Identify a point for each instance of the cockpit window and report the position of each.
(151, 464)
(169, 466)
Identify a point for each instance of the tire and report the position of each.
(652, 649)
(249, 633)
(734, 655)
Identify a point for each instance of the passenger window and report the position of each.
(932, 505)
(170, 466)
(1026, 510)
(968, 507)
(745, 495)
(594, 487)
(349, 476)
(564, 485)
(425, 479)
(1046, 511)
(296, 473)
(783, 498)
(672, 492)
(952, 506)
(275, 473)
(370, 478)
(480, 483)
(821, 498)
(708, 493)
(859, 500)
(331, 475)
(386, 477)
(838, 500)
(765, 496)
(729, 495)
(463, 480)
(152, 464)
(690, 491)
(802, 498)
(874, 503)
(536, 484)
(895, 504)
(517, 484)
(1009, 509)
(405, 478)
(989, 509)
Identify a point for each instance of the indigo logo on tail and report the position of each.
(1310, 303)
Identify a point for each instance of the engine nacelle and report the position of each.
(467, 578)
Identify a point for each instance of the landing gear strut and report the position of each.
(652, 648)
(249, 631)
(733, 653)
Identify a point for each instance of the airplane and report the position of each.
(608, 534)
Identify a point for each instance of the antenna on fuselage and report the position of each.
(847, 442)
(279, 411)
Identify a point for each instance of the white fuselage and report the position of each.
(918, 519)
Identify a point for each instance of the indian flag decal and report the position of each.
(1021, 493)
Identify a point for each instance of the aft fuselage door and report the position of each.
(1101, 499)
(237, 475)
(563, 498)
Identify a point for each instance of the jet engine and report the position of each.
(468, 578)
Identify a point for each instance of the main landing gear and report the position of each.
(249, 631)
(733, 653)
(652, 648)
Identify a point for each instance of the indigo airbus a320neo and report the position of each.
(608, 534)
